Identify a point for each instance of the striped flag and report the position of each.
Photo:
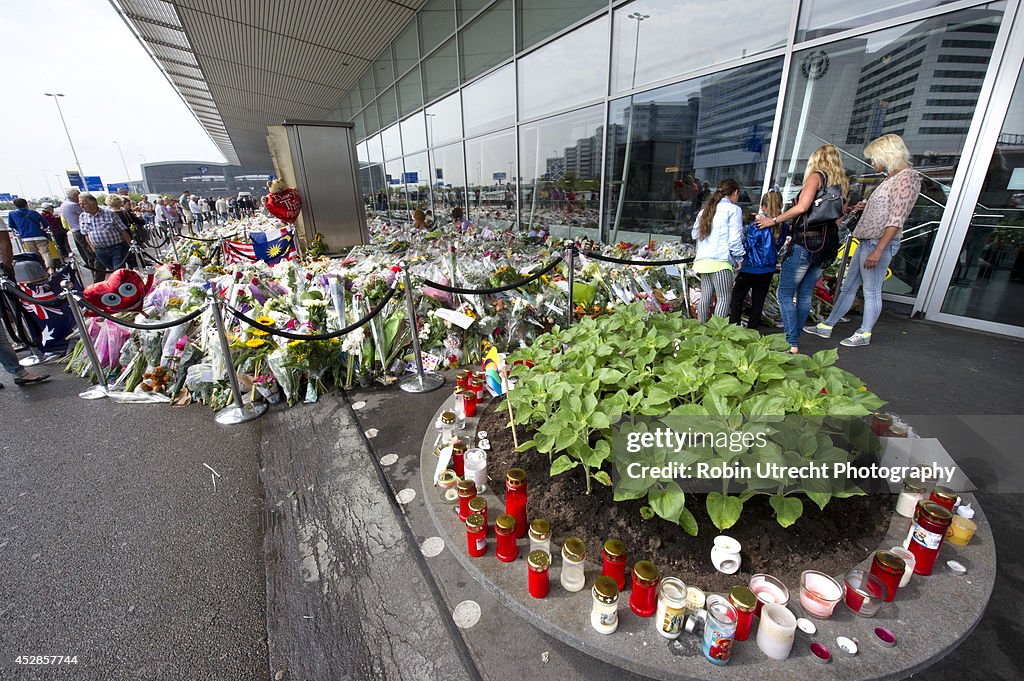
(271, 247)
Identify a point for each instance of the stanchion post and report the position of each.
(240, 412)
(571, 260)
(102, 389)
(422, 382)
(174, 245)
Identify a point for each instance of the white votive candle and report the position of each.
(776, 631)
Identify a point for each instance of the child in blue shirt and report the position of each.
(755, 276)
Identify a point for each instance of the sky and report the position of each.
(113, 91)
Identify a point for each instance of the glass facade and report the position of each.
(616, 118)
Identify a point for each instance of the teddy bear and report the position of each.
(156, 380)
(283, 202)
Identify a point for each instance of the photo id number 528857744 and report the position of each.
(32, 660)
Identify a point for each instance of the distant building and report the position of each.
(204, 178)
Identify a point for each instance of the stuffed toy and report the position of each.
(283, 202)
(156, 380)
(123, 291)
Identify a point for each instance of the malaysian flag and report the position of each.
(271, 247)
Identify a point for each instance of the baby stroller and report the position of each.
(29, 268)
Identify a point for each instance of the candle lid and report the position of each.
(540, 529)
(538, 560)
(477, 505)
(935, 512)
(956, 567)
(605, 589)
(459, 446)
(505, 523)
(516, 477)
(915, 485)
(944, 493)
(475, 455)
(645, 572)
(847, 645)
(806, 626)
(615, 548)
(448, 418)
(574, 549)
(743, 598)
(475, 522)
(890, 560)
(447, 479)
(466, 487)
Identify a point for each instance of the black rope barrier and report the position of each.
(144, 256)
(642, 263)
(156, 326)
(16, 291)
(195, 238)
(498, 289)
(314, 336)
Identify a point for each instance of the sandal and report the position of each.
(793, 350)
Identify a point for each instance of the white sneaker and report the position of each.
(819, 330)
(856, 340)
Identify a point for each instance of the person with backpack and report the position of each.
(762, 245)
(815, 235)
(718, 231)
(31, 228)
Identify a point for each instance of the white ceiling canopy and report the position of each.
(241, 65)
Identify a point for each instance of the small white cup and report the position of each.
(726, 562)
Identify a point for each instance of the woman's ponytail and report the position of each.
(725, 188)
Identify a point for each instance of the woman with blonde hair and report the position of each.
(814, 244)
(718, 231)
(879, 230)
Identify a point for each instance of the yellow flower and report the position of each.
(295, 343)
(255, 342)
(258, 332)
(174, 302)
(471, 313)
(266, 321)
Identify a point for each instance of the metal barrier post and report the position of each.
(240, 412)
(569, 314)
(174, 244)
(102, 389)
(134, 249)
(422, 382)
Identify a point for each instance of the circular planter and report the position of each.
(929, 617)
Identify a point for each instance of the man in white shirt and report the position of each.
(197, 212)
(70, 211)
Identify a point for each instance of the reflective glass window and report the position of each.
(406, 49)
(391, 140)
(444, 120)
(487, 41)
(371, 119)
(448, 165)
(539, 19)
(646, 42)
(560, 169)
(852, 91)
(410, 93)
(387, 105)
(414, 133)
(491, 165)
(824, 17)
(374, 151)
(490, 102)
(986, 283)
(437, 22)
(357, 120)
(395, 190)
(668, 147)
(568, 71)
(384, 70)
(355, 102)
(416, 182)
(440, 72)
(367, 90)
(468, 8)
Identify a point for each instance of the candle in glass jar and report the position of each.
(913, 491)
(574, 552)
(719, 630)
(540, 535)
(458, 458)
(961, 530)
(467, 491)
(671, 612)
(926, 534)
(505, 538)
(613, 561)
(776, 631)
(515, 499)
(476, 535)
(475, 468)
(462, 379)
(477, 385)
(889, 568)
(478, 505)
(908, 560)
(604, 614)
(446, 486)
(768, 589)
(537, 563)
(944, 496)
(819, 594)
(469, 401)
(643, 597)
(745, 602)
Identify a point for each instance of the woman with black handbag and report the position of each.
(815, 237)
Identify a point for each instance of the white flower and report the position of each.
(353, 342)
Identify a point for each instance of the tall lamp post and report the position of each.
(78, 164)
(127, 175)
(639, 19)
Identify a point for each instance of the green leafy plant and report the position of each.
(633, 364)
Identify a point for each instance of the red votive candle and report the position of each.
(643, 597)
(537, 564)
(467, 490)
(505, 538)
(888, 567)
(613, 561)
(476, 535)
(515, 499)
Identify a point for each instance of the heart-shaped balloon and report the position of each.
(284, 205)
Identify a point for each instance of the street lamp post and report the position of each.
(639, 19)
(127, 175)
(78, 164)
(46, 179)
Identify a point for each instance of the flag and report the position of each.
(237, 252)
(273, 246)
(50, 318)
(491, 365)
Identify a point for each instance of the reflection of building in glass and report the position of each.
(925, 88)
(582, 160)
(737, 112)
(204, 178)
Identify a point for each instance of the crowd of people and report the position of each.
(737, 256)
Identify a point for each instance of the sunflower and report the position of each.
(255, 343)
(258, 332)
(266, 321)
